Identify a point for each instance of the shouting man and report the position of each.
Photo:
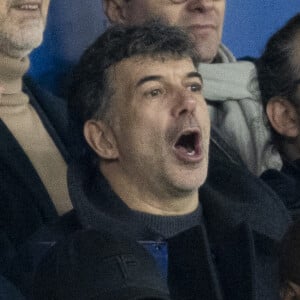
(137, 97)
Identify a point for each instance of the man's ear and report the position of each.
(115, 11)
(101, 139)
(283, 117)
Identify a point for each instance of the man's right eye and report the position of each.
(195, 87)
(154, 93)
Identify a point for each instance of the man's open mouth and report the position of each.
(187, 146)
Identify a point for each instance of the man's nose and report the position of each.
(184, 103)
(201, 5)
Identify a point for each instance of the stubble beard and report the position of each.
(206, 46)
(18, 40)
(207, 53)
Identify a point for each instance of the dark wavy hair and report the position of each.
(91, 90)
(278, 74)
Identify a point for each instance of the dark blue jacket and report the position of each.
(286, 184)
(8, 291)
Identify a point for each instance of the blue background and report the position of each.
(249, 23)
(74, 24)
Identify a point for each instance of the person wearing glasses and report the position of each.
(279, 80)
(229, 88)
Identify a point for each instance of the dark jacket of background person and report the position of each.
(289, 263)
(230, 255)
(25, 204)
(286, 184)
(8, 291)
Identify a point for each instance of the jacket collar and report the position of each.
(224, 255)
(14, 161)
(94, 201)
(224, 270)
(227, 205)
(52, 112)
(96, 205)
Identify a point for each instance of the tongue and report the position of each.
(186, 150)
(189, 149)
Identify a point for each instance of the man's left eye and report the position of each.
(155, 92)
(195, 87)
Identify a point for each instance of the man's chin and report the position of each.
(21, 44)
(207, 54)
(191, 185)
(207, 47)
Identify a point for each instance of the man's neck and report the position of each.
(9, 50)
(11, 73)
(139, 197)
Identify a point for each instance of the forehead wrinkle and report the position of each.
(138, 77)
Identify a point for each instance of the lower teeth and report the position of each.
(191, 153)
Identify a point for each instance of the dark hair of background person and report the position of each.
(92, 88)
(289, 259)
(278, 75)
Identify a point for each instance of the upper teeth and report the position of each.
(29, 6)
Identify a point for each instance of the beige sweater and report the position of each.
(24, 123)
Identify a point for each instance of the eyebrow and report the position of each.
(195, 74)
(158, 77)
(148, 78)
